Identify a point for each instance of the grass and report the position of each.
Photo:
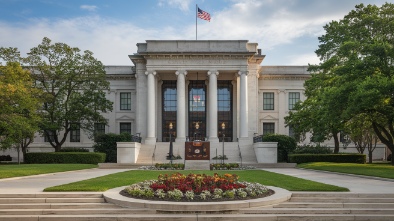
(383, 170)
(129, 177)
(15, 170)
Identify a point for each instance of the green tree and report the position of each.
(74, 85)
(19, 103)
(357, 56)
(362, 134)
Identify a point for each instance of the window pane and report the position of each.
(268, 128)
(125, 128)
(99, 128)
(294, 97)
(268, 101)
(75, 133)
(125, 101)
(50, 136)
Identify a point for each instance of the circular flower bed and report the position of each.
(196, 187)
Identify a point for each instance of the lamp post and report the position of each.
(223, 127)
(171, 148)
(197, 127)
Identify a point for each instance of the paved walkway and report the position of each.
(353, 183)
(37, 183)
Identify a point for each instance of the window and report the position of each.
(291, 131)
(268, 128)
(49, 137)
(125, 128)
(225, 114)
(125, 101)
(169, 109)
(75, 133)
(294, 97)
(99, 128)
(268, 101)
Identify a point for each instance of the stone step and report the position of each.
(342, 195)
(196, 217)
(52, 195)
(57, 206)
(74, 211)
(341, 200)
(334, 205)
(316, 211)
(50, 200)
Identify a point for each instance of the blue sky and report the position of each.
(286, 30)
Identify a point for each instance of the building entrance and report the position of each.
(197, 110)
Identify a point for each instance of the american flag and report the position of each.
(203, 15)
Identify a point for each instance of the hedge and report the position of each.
(336, 158)
(65, 157)
(106, 143)
(73, 149)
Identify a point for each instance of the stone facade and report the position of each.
(261, 96)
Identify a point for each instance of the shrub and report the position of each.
(106, 143)
(5, 158)
(337, 158)
(226, 166)
(73, 149)
(304, 149)
(389, 157)
(286, 144)
(176, 166)
(65, 157)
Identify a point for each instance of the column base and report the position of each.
(150, 140)
(180, 139)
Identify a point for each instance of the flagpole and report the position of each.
(196, 20)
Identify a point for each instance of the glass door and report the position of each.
(197, 110)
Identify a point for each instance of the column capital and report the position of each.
(243, 72)
(150, 72)
(213, 72)
(181, 72)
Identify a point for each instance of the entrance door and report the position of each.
(169, 108)
(197, 110)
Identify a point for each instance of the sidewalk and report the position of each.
(353, 183)
(37, 183)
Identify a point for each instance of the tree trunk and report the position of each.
(369, 156)
(336, 142)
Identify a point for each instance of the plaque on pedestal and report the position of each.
(197, 150)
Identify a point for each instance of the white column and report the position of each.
(282, 108)
(151, 119)
(213, 106)
(243, 115)
(181, 107)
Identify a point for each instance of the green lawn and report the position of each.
(15, 170)
(375, 169)
(129, 177)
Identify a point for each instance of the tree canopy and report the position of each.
(357, 54)
(74, 85)
(19, 103)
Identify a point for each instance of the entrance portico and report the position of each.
(196, 86)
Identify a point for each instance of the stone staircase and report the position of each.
(162, 148)
(92, 206)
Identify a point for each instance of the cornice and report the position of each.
(120, 77)
(285, 77)
(197, 56)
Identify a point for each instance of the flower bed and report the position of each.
(197, 187)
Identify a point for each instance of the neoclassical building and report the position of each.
(213, 89)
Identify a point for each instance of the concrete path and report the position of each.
(34, 184)
(353, 183)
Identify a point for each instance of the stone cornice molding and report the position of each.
(150, 72)
(120, 77)
(285, 77)
(207, 57)
(281, 91)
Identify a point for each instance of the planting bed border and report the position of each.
(113, 196)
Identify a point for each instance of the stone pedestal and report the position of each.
(127, 152)
(266, 152)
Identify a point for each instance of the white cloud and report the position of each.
(89, 7)
(304, 59)
(181, 4)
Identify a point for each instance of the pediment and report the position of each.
(124, 117)
(269, 117)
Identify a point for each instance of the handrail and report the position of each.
(136, 138)
(153, 155)
(258, 138)
(240, 155)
